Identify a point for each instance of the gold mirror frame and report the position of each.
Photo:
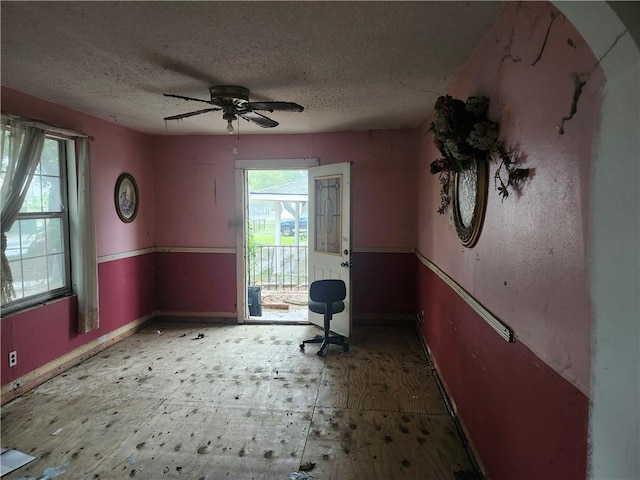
(469, 233)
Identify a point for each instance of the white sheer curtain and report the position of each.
(22, 147)
(84, 265)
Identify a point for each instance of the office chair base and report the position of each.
(327, 340)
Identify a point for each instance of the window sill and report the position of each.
(37, 305)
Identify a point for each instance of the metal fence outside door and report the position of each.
(278, 267)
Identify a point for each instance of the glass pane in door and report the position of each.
(328, 214)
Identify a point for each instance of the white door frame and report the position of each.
(241, 225)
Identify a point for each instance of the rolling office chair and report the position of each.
(326, 298)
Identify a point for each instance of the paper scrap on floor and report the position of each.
(12, 460)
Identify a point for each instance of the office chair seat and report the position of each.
(326, 298)
(321, 308)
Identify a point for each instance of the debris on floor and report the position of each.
(307, 466)
(13, 459)
(150, 331)
(200, 336)
(194, 407)
(300, 476)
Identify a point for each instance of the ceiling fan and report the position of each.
(234, 102)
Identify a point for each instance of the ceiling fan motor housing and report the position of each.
(229, 114)
(222, 93)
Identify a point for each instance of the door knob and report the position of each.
(345, 264)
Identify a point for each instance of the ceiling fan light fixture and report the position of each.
(229, 116)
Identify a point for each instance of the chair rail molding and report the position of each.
(500, 328)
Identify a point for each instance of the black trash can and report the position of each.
(255, 301)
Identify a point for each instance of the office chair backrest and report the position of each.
(328, 291)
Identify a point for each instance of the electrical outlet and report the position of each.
(13, 358)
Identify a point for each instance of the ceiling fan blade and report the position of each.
(258, 119)
(187, 98)
(274, 106)
(191, 114)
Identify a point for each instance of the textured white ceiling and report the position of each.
(352, 65)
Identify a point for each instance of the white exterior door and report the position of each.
(330, 234)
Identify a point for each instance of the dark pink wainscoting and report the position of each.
(196, 282)
(383, 283)
(39, 335)
(43, 334)
(127, 288)
(525, 420)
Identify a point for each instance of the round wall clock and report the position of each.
(469, 201)
(126, 197)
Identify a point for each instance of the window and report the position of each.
(38, 241)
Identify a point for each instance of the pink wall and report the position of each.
(525, 420)
(529, 266)
(196, 282)
(205, 283)
(127, 286)
(384, 283)
(114, 150)
(195, 183)
(196, 196)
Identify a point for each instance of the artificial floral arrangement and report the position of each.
(464, 134)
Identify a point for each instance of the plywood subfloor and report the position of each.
(241, 402)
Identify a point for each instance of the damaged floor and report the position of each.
(241, 402)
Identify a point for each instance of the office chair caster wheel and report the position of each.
(320, 353)
(302, 347)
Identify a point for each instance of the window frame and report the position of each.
(65, 155)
